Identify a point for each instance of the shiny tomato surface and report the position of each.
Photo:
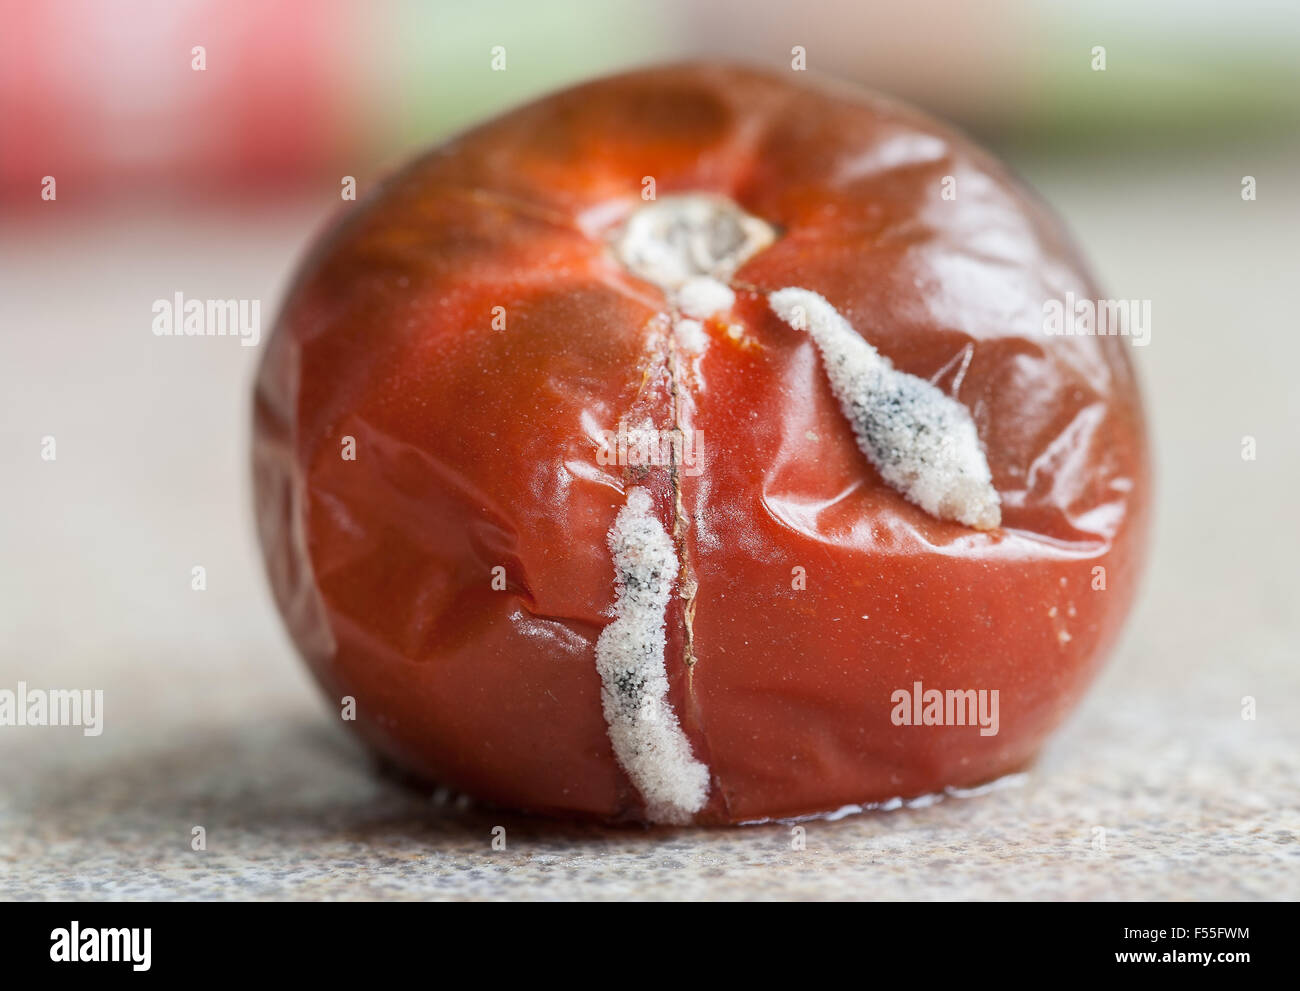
(469, 329)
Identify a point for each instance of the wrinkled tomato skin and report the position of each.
(476, 450)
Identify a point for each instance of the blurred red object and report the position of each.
(180, 96)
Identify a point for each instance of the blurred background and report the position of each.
(106, 93)
(196, 146)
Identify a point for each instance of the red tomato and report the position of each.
(439, 468)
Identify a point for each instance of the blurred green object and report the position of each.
(449, 55)
(1016, 72)
(1154, 94)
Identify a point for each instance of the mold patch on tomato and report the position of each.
(923, 443)
(643, 728)
(677, 238)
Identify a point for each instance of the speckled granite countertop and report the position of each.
(292, 810)
(1157, 788)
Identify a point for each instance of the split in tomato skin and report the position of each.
(472, 328)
